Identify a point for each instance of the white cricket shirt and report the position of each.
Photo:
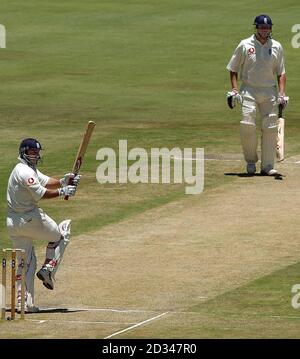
(258, 64)
(26, 187)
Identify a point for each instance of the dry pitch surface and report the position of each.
(141, 277)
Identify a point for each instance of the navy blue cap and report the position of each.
(263, 20)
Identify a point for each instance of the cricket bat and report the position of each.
(280, 135)
(82, 149)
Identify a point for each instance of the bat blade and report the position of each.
(280, 136)
(82, 149)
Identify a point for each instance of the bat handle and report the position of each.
(280, 109)
(69, 183)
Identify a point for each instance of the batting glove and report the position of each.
(283, 101)
(70, 178)
(67, 191)
(233, 97)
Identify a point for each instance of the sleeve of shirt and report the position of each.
(42, 178)
(280, 68)
(237, 59)
(30, 181)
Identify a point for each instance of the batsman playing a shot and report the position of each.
(27, 222)
(260, 62)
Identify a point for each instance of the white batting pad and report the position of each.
(249, 141)
(56, 250)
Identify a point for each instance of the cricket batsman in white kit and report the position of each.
(27, 222)
(260, 62)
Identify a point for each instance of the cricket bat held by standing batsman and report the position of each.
(280, 135)
(82, 149)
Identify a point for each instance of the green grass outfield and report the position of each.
(152, 72)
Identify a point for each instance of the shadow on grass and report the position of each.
(59, 310)
(278, 176)
(52, 310)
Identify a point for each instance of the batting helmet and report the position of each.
(25, 145)
(262, 20)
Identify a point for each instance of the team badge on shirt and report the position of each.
(251, 50)
(30, 180)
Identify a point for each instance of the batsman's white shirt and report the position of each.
(258, 64)
(26, 187)
(25, 220)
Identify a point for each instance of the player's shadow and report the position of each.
(52, 310)
(46, 310)
(241, 174)
(59, 310)
(278, 176)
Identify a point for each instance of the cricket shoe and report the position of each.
(268, 171)
(251, 169)
(45, 275)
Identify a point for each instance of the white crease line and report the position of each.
(283, 316)
(136, 325)
(220, 159)
(223, 160)
(237, 315)
(41, 321)
(206, 159)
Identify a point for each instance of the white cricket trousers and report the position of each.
(265, 101)
(23, 228)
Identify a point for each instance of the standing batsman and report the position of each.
(27, 222)
(260, 62)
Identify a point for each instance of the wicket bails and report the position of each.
(13, 281)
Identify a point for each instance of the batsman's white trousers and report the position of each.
(23, 228)
(263, 99)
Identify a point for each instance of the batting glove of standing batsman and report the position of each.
(283, 101)
(233, 97)
(67, 191)
(70, 178)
